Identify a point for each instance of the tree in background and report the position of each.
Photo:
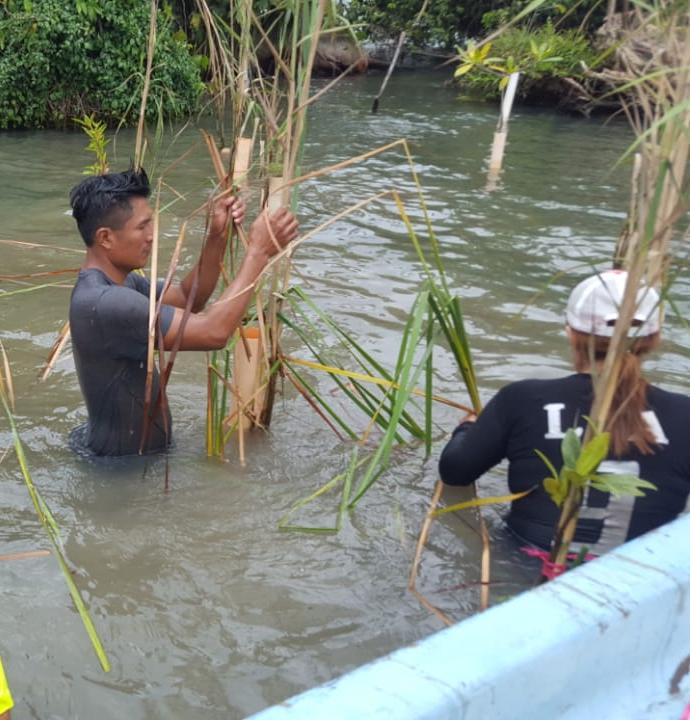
(443, 24)
(448, 23)
(61, 59)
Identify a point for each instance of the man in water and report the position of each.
(109, 308)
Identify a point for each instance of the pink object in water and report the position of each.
(551, 570)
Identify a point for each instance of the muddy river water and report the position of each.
(206, 610)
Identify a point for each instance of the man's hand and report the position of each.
(269, 235)
(224, 211)
(469, 418)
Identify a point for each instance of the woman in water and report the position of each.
(650, 429)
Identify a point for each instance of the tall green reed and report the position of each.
(7, 398)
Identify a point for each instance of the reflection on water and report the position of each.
(205, 609)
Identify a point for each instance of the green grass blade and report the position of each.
(375, 400)
(429, 384)
(363, 398)
(320, 400)
(345, 478)
(347, 487)
(52, 529)
(406, 382)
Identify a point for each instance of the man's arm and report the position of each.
(224, 212)
(212, 328)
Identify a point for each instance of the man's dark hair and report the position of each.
(103, 200)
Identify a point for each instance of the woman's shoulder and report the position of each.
(659, 396)
(578, 382)
(524, 396)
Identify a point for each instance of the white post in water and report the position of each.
(499, 144)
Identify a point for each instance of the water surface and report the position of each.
(206, 610)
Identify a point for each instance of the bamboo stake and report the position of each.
(389, 72)
(239, 177)
(321, 172)
(501, 135)
(394, 61)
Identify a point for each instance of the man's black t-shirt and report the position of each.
(109, 327)
(535, 414)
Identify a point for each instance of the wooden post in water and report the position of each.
(243, 154)
(219, 382)
(501, 135)
(248, 400)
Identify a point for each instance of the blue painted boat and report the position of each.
(609, 640)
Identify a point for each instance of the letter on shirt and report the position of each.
(553, 420)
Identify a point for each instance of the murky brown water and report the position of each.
(205, 609)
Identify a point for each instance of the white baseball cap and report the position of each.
(594, 305)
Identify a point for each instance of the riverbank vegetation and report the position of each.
(549, 61)
(64, 60)
(563, 50)
(269, 115)
(447, 24)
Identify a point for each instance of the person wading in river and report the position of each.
(648, 426)
(109, 307)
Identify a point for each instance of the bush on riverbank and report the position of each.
(62, 60)
(542, 56)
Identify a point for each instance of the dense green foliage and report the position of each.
(447, 23)
(61, 59)
(539, 54)
(443, 24)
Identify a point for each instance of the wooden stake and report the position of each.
(247, 378)
(243, 155)
(501, 135)
(389, 72)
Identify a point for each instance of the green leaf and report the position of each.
(547, 462)
(572, 477)
(571, 448)
(619, 485)
(592, 454)
(463, 69)
(557, 489)
(484, 52)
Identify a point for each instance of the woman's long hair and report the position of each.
(625, 423)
